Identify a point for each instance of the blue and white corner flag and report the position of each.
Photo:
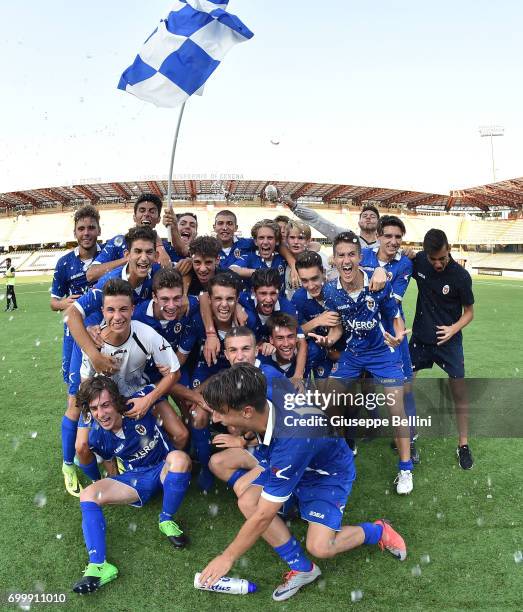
(182, 53)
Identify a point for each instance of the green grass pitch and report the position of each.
(469, 523)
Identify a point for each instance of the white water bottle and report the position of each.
(232, 586)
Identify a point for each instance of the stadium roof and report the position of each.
(506, 194)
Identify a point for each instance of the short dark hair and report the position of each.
(434, 241)
(308, 259)
(227, 213)
(280, 319)
(87, 211)
(187, 214)
(140, 233)
(167, 278)
(7, 259)
(149, 197)
(235, 388)
(349, 237)
(206, 246)
(266, 277)
(391, 220)
(92, 388)
(117, 286)
(282, 219)
(225, 279)
(372, 208)
(240, 332)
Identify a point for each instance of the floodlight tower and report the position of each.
(489, 131)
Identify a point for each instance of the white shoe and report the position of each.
(293, 581)
(403, 482)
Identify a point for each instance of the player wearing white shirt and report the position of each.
(132, 344)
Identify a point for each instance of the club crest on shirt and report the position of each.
(177, 328)
(88, 418)
(445, 289)
(140, 429)
(320, 371)
(389, 275)
(334, 367)
(237, 253)
(195, 383)
(280, 269)
(371, 304)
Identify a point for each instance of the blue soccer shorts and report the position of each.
(384, 366)
(145, 481)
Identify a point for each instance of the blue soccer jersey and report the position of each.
(254, 261)
(288, 369)
(304, 459)
(398, 270)
(361, 317)
(171, 330)
(239, 248)
(90, 304)
(141, 443)
(115, 247)
(248, 300)
(195, 336)
(69, 279)
(271, 374)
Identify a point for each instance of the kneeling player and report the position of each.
(151, 465)
(301, 459)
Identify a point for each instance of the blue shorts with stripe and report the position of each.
(320, 499)
(384, 365)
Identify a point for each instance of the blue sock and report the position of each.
(405, 465)
(93, 526)
(293, 554)
(91, 470)
(174, 487)
(68, 439)
(372, 532)
(235, 476)
(201, 439)
(410, 410)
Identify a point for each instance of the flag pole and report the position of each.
(173, 153)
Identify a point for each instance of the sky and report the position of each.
(375, 93)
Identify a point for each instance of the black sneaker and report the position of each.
(465, 459)
(351, 443)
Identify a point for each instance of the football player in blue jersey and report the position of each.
(240, 452)
(398, 267)
(303, 459)
(150, 464)
(183, 228)
(313, 317)
(147, 212)
(224, 289)
(232, 247)
(267, 238)
(262, 302)
(368, 346)
(284, 337)
(69, 283)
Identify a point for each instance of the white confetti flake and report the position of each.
(416, 571)
(480, 521)
(59, 536)
(356, 596)
(37, 342)
(518, 556)
(489, 496)
(34, 434)
(440, 515)
(132, 527)
(11, 318)
(425, 559)
(213, 509)
(322, 584)
(40, 500)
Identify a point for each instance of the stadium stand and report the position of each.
(43, 218)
